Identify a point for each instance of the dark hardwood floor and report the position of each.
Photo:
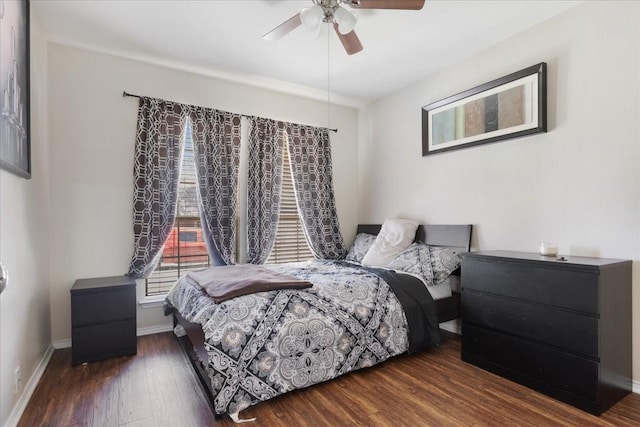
(435, 388)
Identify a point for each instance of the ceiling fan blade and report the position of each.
(283, 29)
(350, 41)
(388, 4)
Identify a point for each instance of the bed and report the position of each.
(255, 347)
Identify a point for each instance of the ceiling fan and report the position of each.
(343, 20)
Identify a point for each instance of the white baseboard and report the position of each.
(29, 388)
(157, 329)
(451, 326)
(635, 387)
(62, 344)
(149, 330)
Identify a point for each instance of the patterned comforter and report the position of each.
(266, 344)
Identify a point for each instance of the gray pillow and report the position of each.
(415, 260)
(360, 247)
(444, 261)
(433, 263)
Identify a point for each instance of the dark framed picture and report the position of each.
(15, 143)
(509, 107)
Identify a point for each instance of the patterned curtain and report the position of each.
(156, 169)
(266, 148)
(216, 142)
(310, 156)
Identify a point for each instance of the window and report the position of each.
(185, 249)
(188, 236)
(290, 245)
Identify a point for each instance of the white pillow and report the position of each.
(395, 236)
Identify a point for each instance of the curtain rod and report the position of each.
(126, 94)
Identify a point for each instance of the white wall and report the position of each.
(578, 184)
(92, 130)
(25, 331)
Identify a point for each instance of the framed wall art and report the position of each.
(509, 107)
(15, 144)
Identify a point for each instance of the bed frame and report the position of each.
(453, 236)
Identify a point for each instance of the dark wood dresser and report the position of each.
(103, 318)
(562, 328)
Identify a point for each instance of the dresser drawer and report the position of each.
(567, 373)
(98, 342)
(572, 289)
(561, 328)
(107, 305)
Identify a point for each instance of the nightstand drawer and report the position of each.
(107, 305)
(561, 328)
(530, 361)
(98, 342)
(572, 289)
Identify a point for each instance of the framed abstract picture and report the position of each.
(509, 107)
(15, 144)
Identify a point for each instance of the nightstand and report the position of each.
(103, 318)
(562, 328)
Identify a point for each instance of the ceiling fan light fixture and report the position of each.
(345, 19)
(311, 17)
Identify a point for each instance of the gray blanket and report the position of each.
(230, 281)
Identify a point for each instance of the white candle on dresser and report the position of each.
(548, 249)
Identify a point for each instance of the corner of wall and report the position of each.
(25, 310)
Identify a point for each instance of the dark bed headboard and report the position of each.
(454, 236)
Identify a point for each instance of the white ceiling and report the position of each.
(224, 38)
